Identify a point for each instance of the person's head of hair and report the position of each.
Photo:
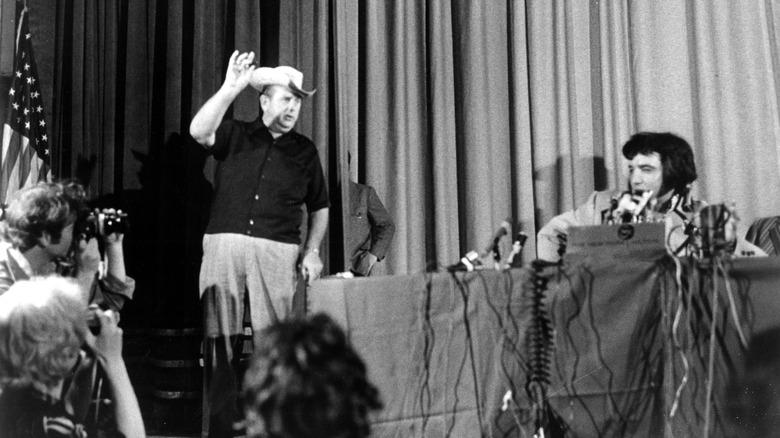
(679, 168)
(268, 91)
(305, 380)
(43, 323)
(46, 207)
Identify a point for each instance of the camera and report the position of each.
(93, 319)
(88, 224)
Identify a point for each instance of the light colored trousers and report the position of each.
(233, 266)
(265, 269)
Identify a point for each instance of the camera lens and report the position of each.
(93, 320)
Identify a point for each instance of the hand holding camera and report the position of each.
(94, 231)
(108, 224)
(97, 245)
(107, 335)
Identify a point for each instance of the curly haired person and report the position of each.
(43, 341)
(306, 380)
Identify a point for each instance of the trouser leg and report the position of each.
(222, 288)
(270, 282)
(220, 386)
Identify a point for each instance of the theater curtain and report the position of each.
(460, 113)
(397, 113)
(463, 113)
(128, 77)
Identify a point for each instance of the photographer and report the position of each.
(42, 229)
(44, 343)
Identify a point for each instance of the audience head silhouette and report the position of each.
(42, 327)
(305, 380)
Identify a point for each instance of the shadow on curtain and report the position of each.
(460, 113)
(465, 113)
(128, 77)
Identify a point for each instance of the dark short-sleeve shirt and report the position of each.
(261, 183)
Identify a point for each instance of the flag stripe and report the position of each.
(24, 162)
(12, 142)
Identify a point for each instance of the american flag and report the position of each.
(25, 158)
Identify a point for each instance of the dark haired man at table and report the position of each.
(661, 165)
(265, 173)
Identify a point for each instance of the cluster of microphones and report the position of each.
(474, 260)
(630, 207)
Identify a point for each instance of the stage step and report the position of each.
(167, 375)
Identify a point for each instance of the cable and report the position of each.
(572, 317)
(711, 360)
(733, 305)
(510, 347)
(428, 339)
(540, 345)
(464, 291)
(611, 374)
(507, 346)
(676, 340)
(682, 246)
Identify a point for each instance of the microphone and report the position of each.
(503, 229)
(467, 263)
(629, 206)
(517, 246)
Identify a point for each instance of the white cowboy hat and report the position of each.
(282, 75)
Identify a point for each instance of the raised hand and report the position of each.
(239, 70)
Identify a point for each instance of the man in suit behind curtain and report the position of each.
(369, 229)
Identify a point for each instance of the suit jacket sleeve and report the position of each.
(382, 226)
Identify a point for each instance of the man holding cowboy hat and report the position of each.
(265, 172)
